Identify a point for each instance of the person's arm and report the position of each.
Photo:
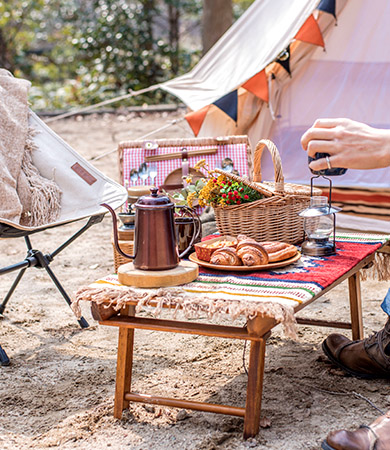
(350, 144)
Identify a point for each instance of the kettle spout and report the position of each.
(115, 232)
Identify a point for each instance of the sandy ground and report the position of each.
(58, 391)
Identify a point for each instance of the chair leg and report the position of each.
(11, 291)
(82, 322)
(4, 360)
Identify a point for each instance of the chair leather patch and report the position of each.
(83, 173)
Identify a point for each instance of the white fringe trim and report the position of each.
(178, 300)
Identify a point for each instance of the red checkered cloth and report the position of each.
(133, 157)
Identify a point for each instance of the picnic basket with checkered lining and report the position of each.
(275, 216)
(168, 155)
(177, 157)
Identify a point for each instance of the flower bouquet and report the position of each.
(217, 189)
(264, 211)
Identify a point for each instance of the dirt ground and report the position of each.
(58, 391)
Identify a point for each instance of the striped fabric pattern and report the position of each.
(288, 286)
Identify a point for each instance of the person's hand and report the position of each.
(350, 144)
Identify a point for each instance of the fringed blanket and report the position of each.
(25, 196)
(273, 294)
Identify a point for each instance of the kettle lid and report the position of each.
(154, 199)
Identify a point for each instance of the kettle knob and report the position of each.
(154, 191)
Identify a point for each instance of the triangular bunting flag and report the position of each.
(328, 6)
(284, 59)
(310, 32)
(196, 118)
(258, 86)
(228, 104)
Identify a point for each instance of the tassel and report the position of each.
(380, 269)
(45, 201)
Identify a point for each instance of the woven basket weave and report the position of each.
(127, 247)
(274, 217)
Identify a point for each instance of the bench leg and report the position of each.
(355, 304)
(124, 368)
(254, 389)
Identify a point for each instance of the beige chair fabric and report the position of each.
(84, 188)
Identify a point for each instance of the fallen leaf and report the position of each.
(265, 422)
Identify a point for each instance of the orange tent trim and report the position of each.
(310, 32)
(195, 119)
(258, 86)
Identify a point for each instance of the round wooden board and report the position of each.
(269, 266)
(185, 272)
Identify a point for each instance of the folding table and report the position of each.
(291, 288)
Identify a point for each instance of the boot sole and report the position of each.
(348, 370)
(326, 446)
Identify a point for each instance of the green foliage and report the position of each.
(188, 195)
(79, 52)
(240, 6)
(235, 192)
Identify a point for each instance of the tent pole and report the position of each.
(103, 103)
(164, 127)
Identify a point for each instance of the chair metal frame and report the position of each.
(36, 258)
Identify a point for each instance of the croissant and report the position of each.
(252, 253)
(278, 251)
(225, 256)
(243, 237)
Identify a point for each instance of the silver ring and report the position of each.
(328, 163)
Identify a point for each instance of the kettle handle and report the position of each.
(197, 226)
(115, 232)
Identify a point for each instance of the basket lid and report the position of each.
(270, 188)
(293, 189)
(259, 187)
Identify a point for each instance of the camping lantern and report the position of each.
(320, 224)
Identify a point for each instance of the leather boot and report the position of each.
(367, 358)
(374, 437)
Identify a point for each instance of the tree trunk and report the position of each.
(217, 18)
(149, 11)
(4, 55)
(174, 21)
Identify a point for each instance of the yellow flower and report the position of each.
(200, 164)
(190, 199)
(189, 179)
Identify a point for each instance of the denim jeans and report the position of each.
(386, 303)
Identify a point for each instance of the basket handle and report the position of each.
(277, 162)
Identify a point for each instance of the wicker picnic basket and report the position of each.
(274, 217)
(126, 243)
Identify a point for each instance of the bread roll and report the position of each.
(252, 253)
(279, 251)
(226, 256)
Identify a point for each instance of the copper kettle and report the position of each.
(155, 245)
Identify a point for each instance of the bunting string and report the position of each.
(260, 85)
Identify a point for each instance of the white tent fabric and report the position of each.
(350, 79)
(256, 39)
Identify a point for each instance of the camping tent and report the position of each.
(285, 63)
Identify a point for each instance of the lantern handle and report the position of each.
(330, 187)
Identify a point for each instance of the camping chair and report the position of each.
(84, 189)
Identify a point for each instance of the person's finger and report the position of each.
(321, 164)
(327, 123)
(314, 147)
(321, 134)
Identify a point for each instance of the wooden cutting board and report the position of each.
(185, 272)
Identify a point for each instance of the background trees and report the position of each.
(217, 18)
(82, 51)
